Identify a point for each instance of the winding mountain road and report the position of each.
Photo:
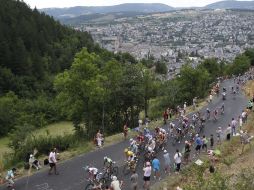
(72, 176)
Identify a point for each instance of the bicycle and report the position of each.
(129, 166)
(97, 183)
(111, 170)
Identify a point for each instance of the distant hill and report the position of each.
(127, 7)
(231, 4)
(99, 17)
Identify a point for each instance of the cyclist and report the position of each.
(140, 138)
(194, 119)
(237, 88)
(208, 113)
(133, 146)
(152, 144)
(10, 177)
(108, 162)
(92, 173)
(131, 158)
(222, 108)
(223, 95)
(215, 114)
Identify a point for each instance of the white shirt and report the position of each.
(147, 171)
(93, 170)
(52, 157)
(177, 158)
(233, 123)
(240, 122)
(115, 185)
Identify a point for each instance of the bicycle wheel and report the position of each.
(89, 186)
(126, 169)
(115, 171)
(103, 182)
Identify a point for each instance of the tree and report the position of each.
(80, 88)
(240, 65)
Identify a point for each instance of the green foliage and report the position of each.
(193, 82)
(160, 67)
(104, 95)
(250, 54)
(202, 180)
(245, 180)
(23, 142)
(240, 65)
(8, 112)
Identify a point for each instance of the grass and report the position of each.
(61, 128)
(56, 129)
(4, 146)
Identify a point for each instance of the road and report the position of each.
(72, 176)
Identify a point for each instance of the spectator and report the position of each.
(233, 126)
(53, 161)
(187, 151)
(99, 139)
(204, 143)
(10, 178)
(34, 162)
(167, 161)
(156, 167)
(116, 184)
(147, 175)
(178, 160)
(240, 120)
(211, 141)
(198, 142)
(134, 181)
(228, 132)
(219, 134)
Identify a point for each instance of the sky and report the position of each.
(70, 3)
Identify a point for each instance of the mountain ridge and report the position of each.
(231, 4)
(126, 7)
(72, 12)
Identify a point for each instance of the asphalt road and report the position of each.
(72, 176)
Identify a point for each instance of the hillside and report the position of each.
(99, 17)
(128, 7)
(33, 47)
(231, 5)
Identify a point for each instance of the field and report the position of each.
(61, 128)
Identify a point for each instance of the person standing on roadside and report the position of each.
(178, 160)
(125, 131)
(116, 184)
(210, 97)
(134, 181)
(204, 143)
(240, 120)
(233, 126)
(52, 161)
(147, 175)
(156, 168)
(211, 141)
(167, 161)
(187, 151)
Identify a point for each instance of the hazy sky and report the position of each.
(71, 3)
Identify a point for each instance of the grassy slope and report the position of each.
(60, 128)
(231, 164)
